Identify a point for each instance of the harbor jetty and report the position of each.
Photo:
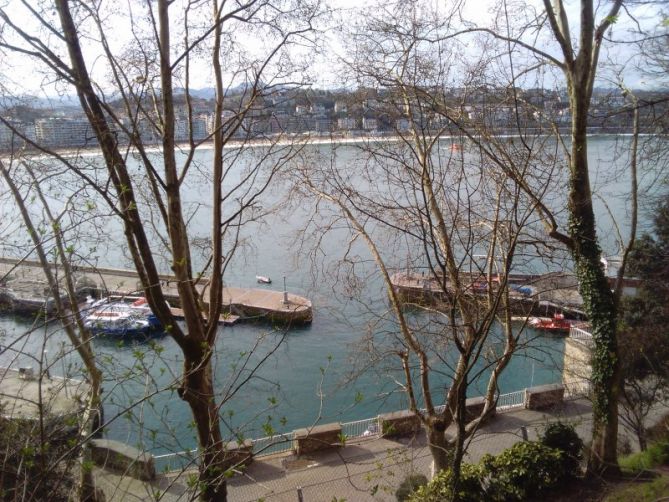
(24, 289)
(543, 295)
(529, 295)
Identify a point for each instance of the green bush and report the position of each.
(563, 437)
(522, 471)
(656, 454)
(33, 469)
(659, 431)
(441, 487)
(410, 484)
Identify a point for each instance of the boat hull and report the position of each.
(121, 320)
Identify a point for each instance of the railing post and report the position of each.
(523, 432)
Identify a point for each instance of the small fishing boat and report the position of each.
(119, 319)
(557, 323)
(263, 279)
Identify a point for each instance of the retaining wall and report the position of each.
(123, 458)
(319, 437)
(399, 423)
(544, 396)
(577, 367)
(238, 455)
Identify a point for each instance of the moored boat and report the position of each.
(557, 323)
(263, 279)
(119, 319)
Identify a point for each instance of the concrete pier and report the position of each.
(529, 294)
(24, 288)
(536, 295)
(27, 395)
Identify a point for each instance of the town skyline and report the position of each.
(316, 111)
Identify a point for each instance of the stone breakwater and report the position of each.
(24, 289)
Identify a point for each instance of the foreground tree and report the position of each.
(508, 39)
(580, 69)
(146, 85)
(43, 452)
(436, 206)
(578, 62)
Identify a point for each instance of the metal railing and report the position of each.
(437, 409)
(580, 334)
(272, 444)
(511, 400)
(176, 461)
(368, 427)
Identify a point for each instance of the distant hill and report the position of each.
(40, 103)
(72, 101)
(204, 93)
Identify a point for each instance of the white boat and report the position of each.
(120, 319)
(263, 280)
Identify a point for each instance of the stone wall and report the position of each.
(474, 406)
(238, 455)
(399, 423)
(319, 437)
(577, 368)
(544, 396)
(123, 458)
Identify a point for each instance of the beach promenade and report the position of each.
(364, 470)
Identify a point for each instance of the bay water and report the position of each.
(273, 379)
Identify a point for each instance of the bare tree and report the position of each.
(579, 62)
(144, 75)
(526, 39)
(51, 237)
(436, 204)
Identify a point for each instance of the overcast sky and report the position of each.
(20, 73)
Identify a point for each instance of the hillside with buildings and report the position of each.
(321, 112)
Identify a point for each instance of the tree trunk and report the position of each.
(598, 300)
(641, 436)
(86, 488)
(438, 444)
(198, 392)
(461, 434)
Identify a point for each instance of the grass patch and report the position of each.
(657, 454)
(641, 492)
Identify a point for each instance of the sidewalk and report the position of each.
(365, 470)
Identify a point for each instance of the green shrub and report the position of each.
(656, 454)
(440, 488)
(522, 471)
(563, 437)
(410, 484)
(659, 431)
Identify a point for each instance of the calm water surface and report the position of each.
(308, 374)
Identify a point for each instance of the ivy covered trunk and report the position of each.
(598, 299)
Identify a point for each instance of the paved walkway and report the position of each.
(27, 396)
(365, 470)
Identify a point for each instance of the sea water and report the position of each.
(274, 379)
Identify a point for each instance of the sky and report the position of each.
(22, 75)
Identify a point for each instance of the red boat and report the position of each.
(555, 323)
